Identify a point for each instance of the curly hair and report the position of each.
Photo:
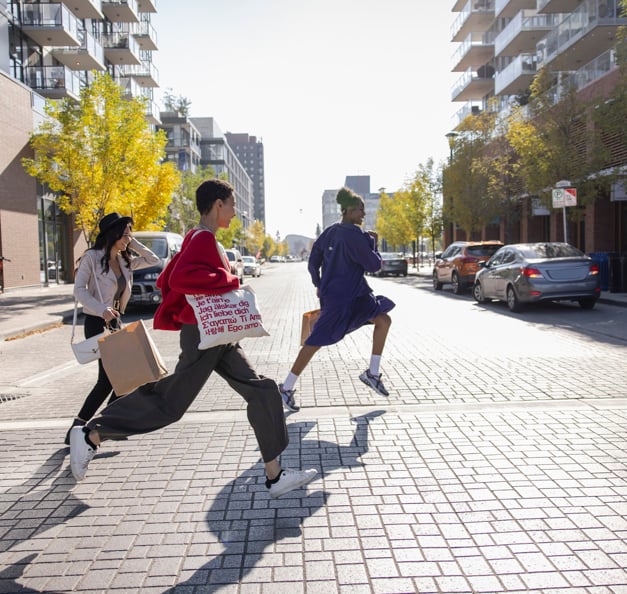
(346, 198)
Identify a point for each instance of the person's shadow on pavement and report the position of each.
(246, 530)
(31, 508)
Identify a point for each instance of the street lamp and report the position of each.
(451, 137)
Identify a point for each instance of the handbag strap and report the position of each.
(93, 269)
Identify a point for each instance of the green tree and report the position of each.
(176, 103)
(255, 235)
(182, 213)
(233, 236)
(100, 155)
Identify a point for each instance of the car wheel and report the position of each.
(457, 285)
(587, 302)
(512, 300)
(477, 293)
(437, 285)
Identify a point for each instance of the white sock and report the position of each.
(290, 381)
(375, 362)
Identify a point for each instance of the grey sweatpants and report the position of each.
(161, 403)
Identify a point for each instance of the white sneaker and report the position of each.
(290, 480)
(81, 453)
(374, 381)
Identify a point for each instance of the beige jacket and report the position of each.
(85, 290)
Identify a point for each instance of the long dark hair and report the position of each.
(105, 241)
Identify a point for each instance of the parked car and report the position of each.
(276, 258)
(251, 266)
(532, 272)
(237, 264)
(164, 244)
(392, 263)
(459, 263)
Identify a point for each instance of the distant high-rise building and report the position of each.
(49, 50)
(249, 151)
(216, 151)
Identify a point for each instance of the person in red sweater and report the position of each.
(201, 267)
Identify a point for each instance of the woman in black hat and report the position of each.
(103, 285)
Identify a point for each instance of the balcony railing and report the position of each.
(121, 48)
(476, 13)
(588, 15)
(146, 73)
(481, 44)
(50, 24)
(53, 81)
(524, 21)
(88, 55)
(522, 69)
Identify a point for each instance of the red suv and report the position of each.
(459, 262)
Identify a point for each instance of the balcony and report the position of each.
(477, 16)
(50, 25)
(87, 55)
(506, 9)
(516, 76)
(152, 113)
(53, 82)
(145, 74)
(582, 35)
(474, 86)
(86, 9)
(146, 35)
(523, 33)
(147, 5)
(121, 48)
(121, 11)
(557, 6)
(475, 50)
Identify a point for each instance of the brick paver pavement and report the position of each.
(499, 473)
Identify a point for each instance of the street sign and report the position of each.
(564, 197)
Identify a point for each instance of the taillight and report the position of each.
(594, 269)
(530, 272)
(469, 260)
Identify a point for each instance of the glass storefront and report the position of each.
(53, 248)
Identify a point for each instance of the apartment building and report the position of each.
(49, 50)
(183, 147)
(216, 151)
(500, 46)
(249, 151)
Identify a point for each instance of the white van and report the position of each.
(164, 244)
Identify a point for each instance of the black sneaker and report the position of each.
(374, 381)
(288, 399)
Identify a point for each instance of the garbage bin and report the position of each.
(601, 260)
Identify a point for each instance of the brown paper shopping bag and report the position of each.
(130, 358)
(309, 319)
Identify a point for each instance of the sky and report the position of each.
(332, 88)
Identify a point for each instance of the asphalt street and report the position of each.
(497, 463)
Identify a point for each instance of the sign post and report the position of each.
(563, 195)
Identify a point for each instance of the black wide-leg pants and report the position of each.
(158, 404)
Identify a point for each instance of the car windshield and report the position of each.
(391, 256)
(248, 259)
(551, 250)
(482, 250)
(230, 256)
(158, 245)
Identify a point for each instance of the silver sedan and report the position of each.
(532, 272)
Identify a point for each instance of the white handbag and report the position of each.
(87, 350)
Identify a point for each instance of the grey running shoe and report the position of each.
(374, 381)
(290, 480)
(81, 453)
(288, 399)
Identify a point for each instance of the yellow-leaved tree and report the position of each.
(100, 155)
